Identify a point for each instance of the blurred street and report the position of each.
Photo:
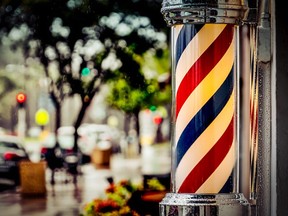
(65, 198)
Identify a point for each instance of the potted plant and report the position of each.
(122, 199)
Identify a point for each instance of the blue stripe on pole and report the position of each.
(185, 36)
(204, 117)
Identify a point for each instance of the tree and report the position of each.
(74, 39)
(155, 88)
(12, 82)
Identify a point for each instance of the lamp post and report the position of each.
(21, 101)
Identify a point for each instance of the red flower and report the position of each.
(111, 188)
(124, 183)
(106, 206)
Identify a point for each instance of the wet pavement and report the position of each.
(65, 198)
(62, 198)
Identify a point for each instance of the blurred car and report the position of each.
(93, 135)
(11, 153)
(64, 137)
(90, 135)
(54, 155)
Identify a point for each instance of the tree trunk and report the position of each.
(78, 123)
(137, 128)
(57, 121)
(132, 123)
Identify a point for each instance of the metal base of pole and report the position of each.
(176, 204)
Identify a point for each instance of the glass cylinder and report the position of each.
(254, 118)
(205, 119)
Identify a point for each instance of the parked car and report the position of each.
(11, 153)
(93, 135)
(54, 155)
(61, 156)
(90, 135)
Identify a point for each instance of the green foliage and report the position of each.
(136, 89)
(124, 97)
(132, 100)
(154, 184)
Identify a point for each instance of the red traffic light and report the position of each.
(21, 98)
(157, 119)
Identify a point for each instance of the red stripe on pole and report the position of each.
(203, 66)
(210, 162)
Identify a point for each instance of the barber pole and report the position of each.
(205, 160)
(205, 108)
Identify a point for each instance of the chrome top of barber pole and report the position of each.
(208, 11)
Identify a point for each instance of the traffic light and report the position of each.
(157, 119)
(85, 71)
(21, 99)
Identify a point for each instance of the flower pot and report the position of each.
(101, 156)
(32, 178)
